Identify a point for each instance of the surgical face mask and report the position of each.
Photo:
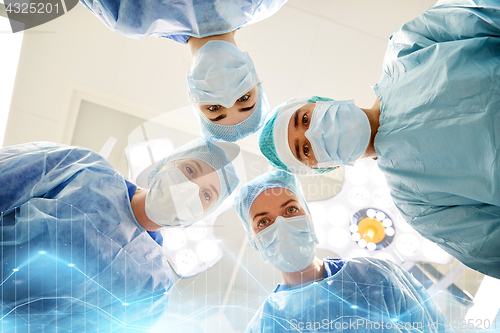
(339, 133)
(220, 74)
(289, 243)
(173, 199)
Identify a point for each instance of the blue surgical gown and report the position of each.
(438, 142)
(74, 258)
(365, 295)
(180, 19)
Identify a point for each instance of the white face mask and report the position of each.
(173, 199)
(339, 133)
(289, 243)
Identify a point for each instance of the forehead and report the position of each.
(271, 200)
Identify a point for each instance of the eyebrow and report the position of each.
(297, 150)
(259, 214)
(215, 190)
(286, 203)
(222, 116)
(248, 108)
(264, 213)
(296, 119)
(198, 165)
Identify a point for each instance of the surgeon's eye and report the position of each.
(244, 99)
(190, 171)
(292, 210)
(264, 223)
(305, 150)
(213, 108)
(305, 119)
(207, 196)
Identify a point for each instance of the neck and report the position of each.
(195, 43)
(373, 115)
(314, 272)
(138, 203)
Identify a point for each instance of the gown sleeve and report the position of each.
(31, 170)
(469, 233)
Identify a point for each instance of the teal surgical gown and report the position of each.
(438, 143)
(180, 19)
(365, 295)
(74, 258)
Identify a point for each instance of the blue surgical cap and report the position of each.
(267, 143)
(251, 190)
(231, 133)
(218, 155)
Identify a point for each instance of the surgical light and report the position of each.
(362, 243)
(338, 237)
(408, 244)
(385, 256)
(197, 231)
(358, 253)
(433, 251)
(403, 225)
(338, 215)
(174, 238)
(321, 235)
(389, 231)
(371, 213)
(318, 213)
(359, 196)
(358, 174)
(207, 250)
(382, 197)
(378, 176)
(185, 261)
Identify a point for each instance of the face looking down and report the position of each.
(203, 175)
(272, 203)
(240, 111)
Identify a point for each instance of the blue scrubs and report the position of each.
(438, 143)
(73, 255)
(180, 19)
(364, 295)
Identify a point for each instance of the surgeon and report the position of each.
(80, 245)
(355, 295)
(434, 129)
(223, 86)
